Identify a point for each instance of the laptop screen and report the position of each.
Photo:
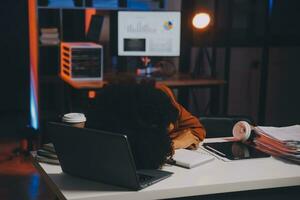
(94, 154)
(98, 155)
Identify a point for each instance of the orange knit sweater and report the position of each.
(186, 120)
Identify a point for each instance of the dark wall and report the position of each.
(14, 65)
(285, 25)
(283, 96)
(242, 26)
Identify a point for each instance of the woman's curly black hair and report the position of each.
(143, 113)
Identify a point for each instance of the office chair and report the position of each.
(221, 126)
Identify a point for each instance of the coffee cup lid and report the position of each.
(74, 118)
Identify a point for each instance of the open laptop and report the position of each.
(100, 156)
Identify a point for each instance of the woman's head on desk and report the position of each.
(144, 114)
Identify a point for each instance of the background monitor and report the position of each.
(148, 33)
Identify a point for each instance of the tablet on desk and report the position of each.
(234, 150)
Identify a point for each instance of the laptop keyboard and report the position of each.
(144, 178)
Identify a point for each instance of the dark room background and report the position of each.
(243, 97)
(14, 81)
(257, 54)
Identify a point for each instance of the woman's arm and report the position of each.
(188, 132)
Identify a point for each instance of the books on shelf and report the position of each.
(49, 41)
(49, 30)
(49, 36)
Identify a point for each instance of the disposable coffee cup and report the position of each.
(74, 119)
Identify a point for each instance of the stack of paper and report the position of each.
(47, 154)
(282, 142)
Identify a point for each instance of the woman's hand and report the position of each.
(185, 139)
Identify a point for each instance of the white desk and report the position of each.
(211, 178)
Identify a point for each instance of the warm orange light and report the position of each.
(92, 94)
(201, 20)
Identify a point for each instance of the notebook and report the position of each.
(100, 156)
(190, 159)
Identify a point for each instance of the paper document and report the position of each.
(288, 133)
(189, 159)
(281, 142)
